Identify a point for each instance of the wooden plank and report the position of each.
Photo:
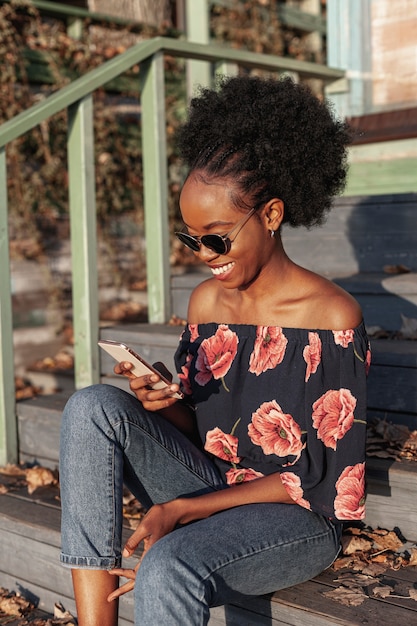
(386, 310)
(309, 598)
(341, 248)
(393, 417)
(394, 352)
(377, 283)
(392, 388)
(39, 426)
(391, 497)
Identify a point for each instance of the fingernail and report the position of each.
(125, 552)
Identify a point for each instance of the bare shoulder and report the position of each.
(336, 309)
(202, 305)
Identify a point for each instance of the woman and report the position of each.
(248, 479)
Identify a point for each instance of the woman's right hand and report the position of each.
(151, 399)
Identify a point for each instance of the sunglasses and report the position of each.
(220, 244)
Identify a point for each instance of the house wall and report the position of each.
(394, 54)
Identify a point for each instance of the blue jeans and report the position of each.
(107, 438)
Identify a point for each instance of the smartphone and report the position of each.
(121, 352)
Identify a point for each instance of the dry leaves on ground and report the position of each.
(391, 441)
(368, 555)
(33, 477)
(19, 476)
(24, 389)
(15, 610)
(63, 360)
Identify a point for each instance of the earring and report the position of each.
(272, 232)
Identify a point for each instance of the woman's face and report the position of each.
(208, 209)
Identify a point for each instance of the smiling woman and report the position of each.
(272, 364)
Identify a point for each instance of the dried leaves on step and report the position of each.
(13, 604)
(391, 441)
(40, 477)
(15, 610)
(24, 389)
(32, 477)
(368, 555)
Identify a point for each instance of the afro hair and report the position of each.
(269, 138)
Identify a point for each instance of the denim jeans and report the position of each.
(108, 438)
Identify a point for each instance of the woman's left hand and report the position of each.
(159, 521)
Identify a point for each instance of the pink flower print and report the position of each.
(268, 350)
(333, 415)
(312, 354)
(343, 337)
(292, 484)
(274, 431)
(368, 361)
(222, 445)
(215, 355)
(193, 332)
(184, 376)
(235, 476)
(350, 500)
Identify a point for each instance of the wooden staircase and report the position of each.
(30, 536)
(29, 524)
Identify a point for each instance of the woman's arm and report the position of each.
(163, 518)
(180, 414)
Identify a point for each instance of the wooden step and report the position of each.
(30, 539)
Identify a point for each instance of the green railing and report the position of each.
(76, 98)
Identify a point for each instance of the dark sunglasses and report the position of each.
(220, 244)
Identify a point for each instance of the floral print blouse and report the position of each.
(288, 400)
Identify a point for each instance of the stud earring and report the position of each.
(272, 233)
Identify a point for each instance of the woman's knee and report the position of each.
(92, 401)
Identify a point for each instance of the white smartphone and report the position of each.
(121, 352)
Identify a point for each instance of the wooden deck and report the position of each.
(29, 531)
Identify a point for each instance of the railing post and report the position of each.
(198, 30)
(155, 177)
(83, 223)
(8, 418)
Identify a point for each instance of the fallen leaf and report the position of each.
(386, 540)
(382, 591)
(12, 470)
(409, 327)
(12, 604)
(344, 561)
(374, 569)
(413, 593)
(356, 580)
(355, 544)
(396, 269)
(40, 477)
(348, 597)
(61, 614)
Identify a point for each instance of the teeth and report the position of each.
(221, 270)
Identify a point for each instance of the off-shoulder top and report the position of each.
(288, 400)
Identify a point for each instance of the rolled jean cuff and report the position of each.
(90, 562)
